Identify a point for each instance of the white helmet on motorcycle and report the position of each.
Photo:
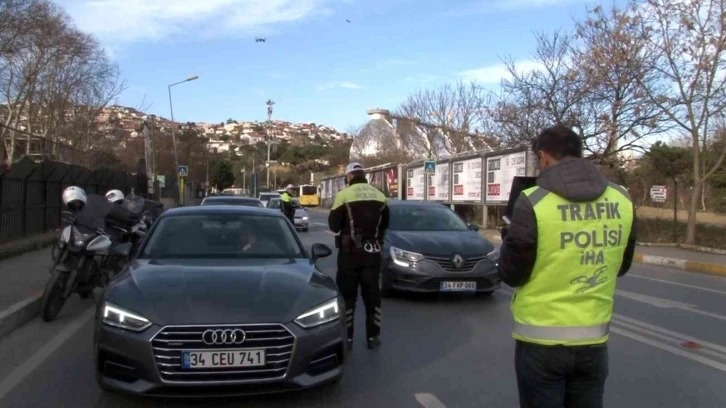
(74, 198)
(115, 196)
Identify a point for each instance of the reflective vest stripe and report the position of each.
(563, 333)
(537, 195)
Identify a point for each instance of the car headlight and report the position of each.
(325, 313)
(119, 317)
(494, 256)
(404, 258)
(305, 218)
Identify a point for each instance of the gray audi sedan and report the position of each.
(220, 300)
(428, 248)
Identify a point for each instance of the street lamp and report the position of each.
(173, 132)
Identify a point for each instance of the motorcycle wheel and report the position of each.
(55, 252)
(53, 299)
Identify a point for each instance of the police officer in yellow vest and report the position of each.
(286, 204)
(360, 216)
(570, 237)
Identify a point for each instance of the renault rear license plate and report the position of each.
(223, 358)
(447, 286)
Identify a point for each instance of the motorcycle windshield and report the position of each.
(93, 215)
(134, 204)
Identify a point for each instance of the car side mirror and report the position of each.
(123, 250)
(473, 227)
(319, 251)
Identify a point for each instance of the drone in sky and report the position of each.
(260, 39)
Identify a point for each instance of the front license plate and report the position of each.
(458, 286)
(223, 358)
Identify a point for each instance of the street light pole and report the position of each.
(269, 104)
(173, 131)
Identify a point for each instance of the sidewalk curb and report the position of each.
(13, 249)
(18, 314)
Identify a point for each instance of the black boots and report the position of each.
(374, 342)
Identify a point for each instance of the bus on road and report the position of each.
(309, 195)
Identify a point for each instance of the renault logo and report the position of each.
(223, 336)
(458, 261)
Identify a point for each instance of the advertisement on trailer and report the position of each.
(467, 180)
(501, 170)
(392, 183)
(439, 183)
(415, 184)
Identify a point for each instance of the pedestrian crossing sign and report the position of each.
(430, 167)
(183, 171)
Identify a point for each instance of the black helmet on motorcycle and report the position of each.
(74, 198)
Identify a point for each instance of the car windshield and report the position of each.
(425, 218)
(231, 201)
(268, 196)
(222, 236)
(274, 203)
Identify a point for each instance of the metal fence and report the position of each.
(30, 193)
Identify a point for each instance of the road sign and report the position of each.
(161, 179)
(430, 167)
(182, 171)
(658, 194)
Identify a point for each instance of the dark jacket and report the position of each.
(369, 208)
(286, 206)
(577, 180)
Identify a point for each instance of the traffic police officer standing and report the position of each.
(570, 237)
(360, 216)
(286, 203)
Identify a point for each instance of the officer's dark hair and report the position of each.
(357, 175)
(559, 142)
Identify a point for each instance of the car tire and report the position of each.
(305, 230)
(484, 294)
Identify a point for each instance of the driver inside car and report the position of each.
(253, 244)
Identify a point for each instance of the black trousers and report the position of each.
(560, 376)
(360, 270)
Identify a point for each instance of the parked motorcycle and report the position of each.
(84, 253)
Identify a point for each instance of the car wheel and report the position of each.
(484, 294)
(305, 230)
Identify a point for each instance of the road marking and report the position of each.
(720, 292)
(21, 372)
(672, 349)
(429, 401)
(626, 326)
(667, 304)
(672, 333)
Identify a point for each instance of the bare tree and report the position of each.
(442, 120)
(614, 77)
(551, 94)
(55, 79)
(687, 50)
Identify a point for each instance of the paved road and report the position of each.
(445, 351)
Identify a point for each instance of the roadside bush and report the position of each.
(662, 231)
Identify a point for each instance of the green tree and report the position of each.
(223, 177)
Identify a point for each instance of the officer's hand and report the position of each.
(503, 232)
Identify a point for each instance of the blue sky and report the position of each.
(314, 65)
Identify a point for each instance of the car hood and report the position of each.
(441, 243)
(299, 212)
(220, 291)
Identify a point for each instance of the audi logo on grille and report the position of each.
(223, 336)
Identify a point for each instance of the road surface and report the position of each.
(438, 351)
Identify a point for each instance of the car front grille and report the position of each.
(168, 344)
(447, 264)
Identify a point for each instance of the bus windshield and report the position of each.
(309, 190)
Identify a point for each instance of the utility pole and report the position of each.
(269, 104)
